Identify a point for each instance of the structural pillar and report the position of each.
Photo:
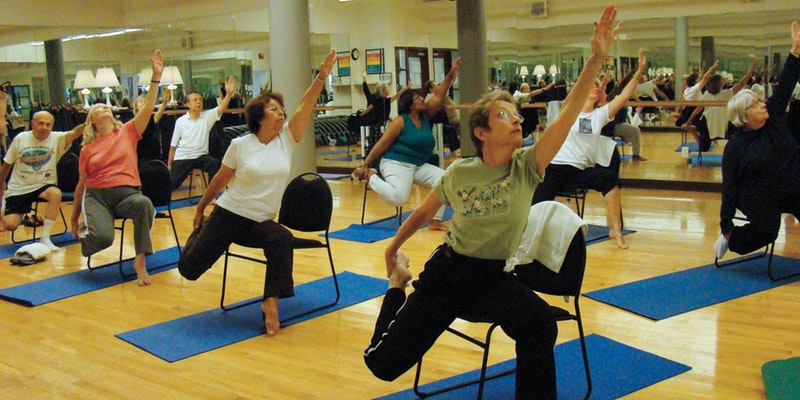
(708, 53)
(54, 57)
(473, 74)
(681, 53)
(289, 50)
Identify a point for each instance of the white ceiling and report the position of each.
(738, 26)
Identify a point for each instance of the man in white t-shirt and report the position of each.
(34, 155)
(189, 145)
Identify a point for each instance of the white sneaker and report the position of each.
(721, 246)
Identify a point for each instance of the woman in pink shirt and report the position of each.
(109, 185)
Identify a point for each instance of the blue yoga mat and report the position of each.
(616, 369)
(707, 160)
(377, 230)
(672, 294)
(84, 281)
(64, 239)
(209, 330)
(599, 234)
(693, 147)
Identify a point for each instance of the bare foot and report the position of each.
(619, 238)
(435, 225)
(271, 321)
(142, 277)
(399, 277)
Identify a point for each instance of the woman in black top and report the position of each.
(761, 164)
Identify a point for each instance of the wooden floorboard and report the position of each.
(67, 349)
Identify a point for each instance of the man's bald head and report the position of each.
(42, 124)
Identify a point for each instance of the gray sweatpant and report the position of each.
(102, 206)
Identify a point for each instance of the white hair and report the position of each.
(381, 88)
(737, 106)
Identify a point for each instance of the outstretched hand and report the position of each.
(795, 39)
(712, 69)
(157, 63)
(455, 67)
(605, 31)
(642, 61)
(230, 85)
(327, 65)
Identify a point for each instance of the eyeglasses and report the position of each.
(275, 109)
(507, 116)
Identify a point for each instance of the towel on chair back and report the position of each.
(550, 230)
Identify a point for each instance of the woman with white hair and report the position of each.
(761, 164)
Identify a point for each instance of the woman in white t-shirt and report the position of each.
(255, 170)
(576, 162)
(717, 117)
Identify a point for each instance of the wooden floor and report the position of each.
(67, 349)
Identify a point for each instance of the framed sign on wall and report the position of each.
(343, 61)
(374, 61)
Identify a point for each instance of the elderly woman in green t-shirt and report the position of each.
(465, 277)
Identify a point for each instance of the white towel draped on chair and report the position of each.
(551, 227)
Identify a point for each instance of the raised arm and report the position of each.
(440, 93)
(539, 91)
(3, 107)
(75, 133)
(739, 85)
(162, 107)
(555, 134)
(230, 89)
(403, 90)
(630, 88)
(707, 75)
(299, 121)
(143, 116)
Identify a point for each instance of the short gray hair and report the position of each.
(381, 88)
(738, 105)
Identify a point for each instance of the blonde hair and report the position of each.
(89, 133)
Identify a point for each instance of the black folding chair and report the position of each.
(306, 206)
(567, 282)
(156, 186)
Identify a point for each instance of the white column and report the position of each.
(289, 53)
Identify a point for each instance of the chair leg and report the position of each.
(767, 250)
(771, 272)
(398, 210)
(191, 177)
(245, 303)
(579, 321)
(480, 381)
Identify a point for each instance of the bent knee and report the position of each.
(383, 371)
(187, 271)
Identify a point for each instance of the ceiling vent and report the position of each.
(539, 9)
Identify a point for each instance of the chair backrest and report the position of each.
(156, 182)
(568, 281)
(67, 172)
(307, 204)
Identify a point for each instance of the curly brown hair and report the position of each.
(254, 109)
